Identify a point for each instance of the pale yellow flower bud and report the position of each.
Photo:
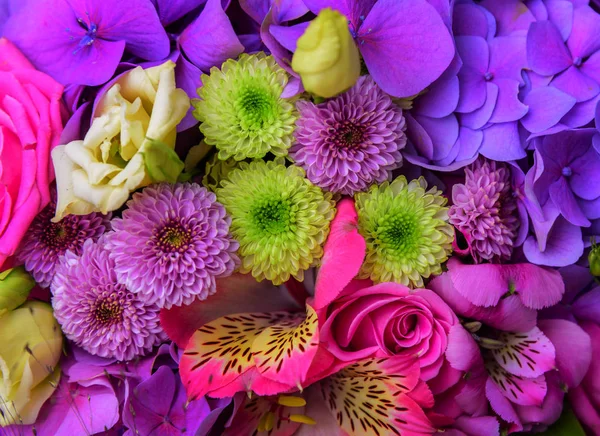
(326, 56)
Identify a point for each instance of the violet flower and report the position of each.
(82, 42)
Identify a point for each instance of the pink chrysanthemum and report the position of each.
(45, 241)
(171, 244)
(99, 314)
(352, 141)
(484, 211)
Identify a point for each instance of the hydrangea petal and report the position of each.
(564, 245)
(508, 107)
(576, 84)
(585, 35)
(404, 65)
(546, 51)
(502, 142)
(562, 196)
(547, 105)
(210, 40)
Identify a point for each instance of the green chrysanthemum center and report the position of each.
(257, 108)
(406, 231)
(278, 217)
(241, 109)
(272, 216)
(399, 234)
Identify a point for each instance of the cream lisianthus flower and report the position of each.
(99, 173)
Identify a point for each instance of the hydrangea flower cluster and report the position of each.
(357, 217)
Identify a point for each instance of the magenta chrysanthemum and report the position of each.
(45, 241)
(352, 141)
(171, 244)
(484, 211)
(99, 314)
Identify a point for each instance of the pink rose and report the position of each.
(389, 319)
(30, 126)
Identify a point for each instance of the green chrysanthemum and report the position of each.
(406, 229)
(280, 219)
(217, 170)
(241, 110)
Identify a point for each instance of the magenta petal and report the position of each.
(343, 256)
(576, 84)
(585, 35)
(210, 40)
(546, 51)
(483, 285)
(480, 426)
(502, 142)
(519, 390)
(462, 351)
(547, 105)
(405, 45)
(528, 354)
(573, 349)
(538, 287)
(501, 405)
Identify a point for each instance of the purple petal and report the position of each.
(561, 14)
(546, 51)
(502, 142)
(210, 40)
(576, 84)
(508, 57)
(472, 20)
(480, 117)
(187, 77)
(585, 181)
(288, 35)
(474, 52)
(256, 9)
(591, 67)
(547, 105)
(472, 90)
(135, 22)
(353, 9)
(587, 307)
(288, 10)
(564, 245)
(443, 133)
(405, 45)
(512, 16)
(440, 100)
(581, 114)
(501, 405)
(508, 107)
(419, 137)
(585, 35)
(170, 11)
(573, 349)
(563, 198)
(470, 141)
(462, 351)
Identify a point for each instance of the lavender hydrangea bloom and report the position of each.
(99, 314)
(484, 210)
(171, 244)
(474, 107)
(351, 141)
(45, 241)
(82, 42)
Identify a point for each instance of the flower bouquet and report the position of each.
(299, 217)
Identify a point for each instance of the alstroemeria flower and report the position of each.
(82, 42)
(405, 44)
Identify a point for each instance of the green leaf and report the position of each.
(567, 425)
(161, 161)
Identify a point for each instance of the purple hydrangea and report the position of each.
(484, 211)
(171, 244)
(97, 312)
(45, 241)
(351, 141)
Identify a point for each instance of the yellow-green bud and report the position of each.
(594, 259)
(326, 56)
(15, 285)
(30, 348)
